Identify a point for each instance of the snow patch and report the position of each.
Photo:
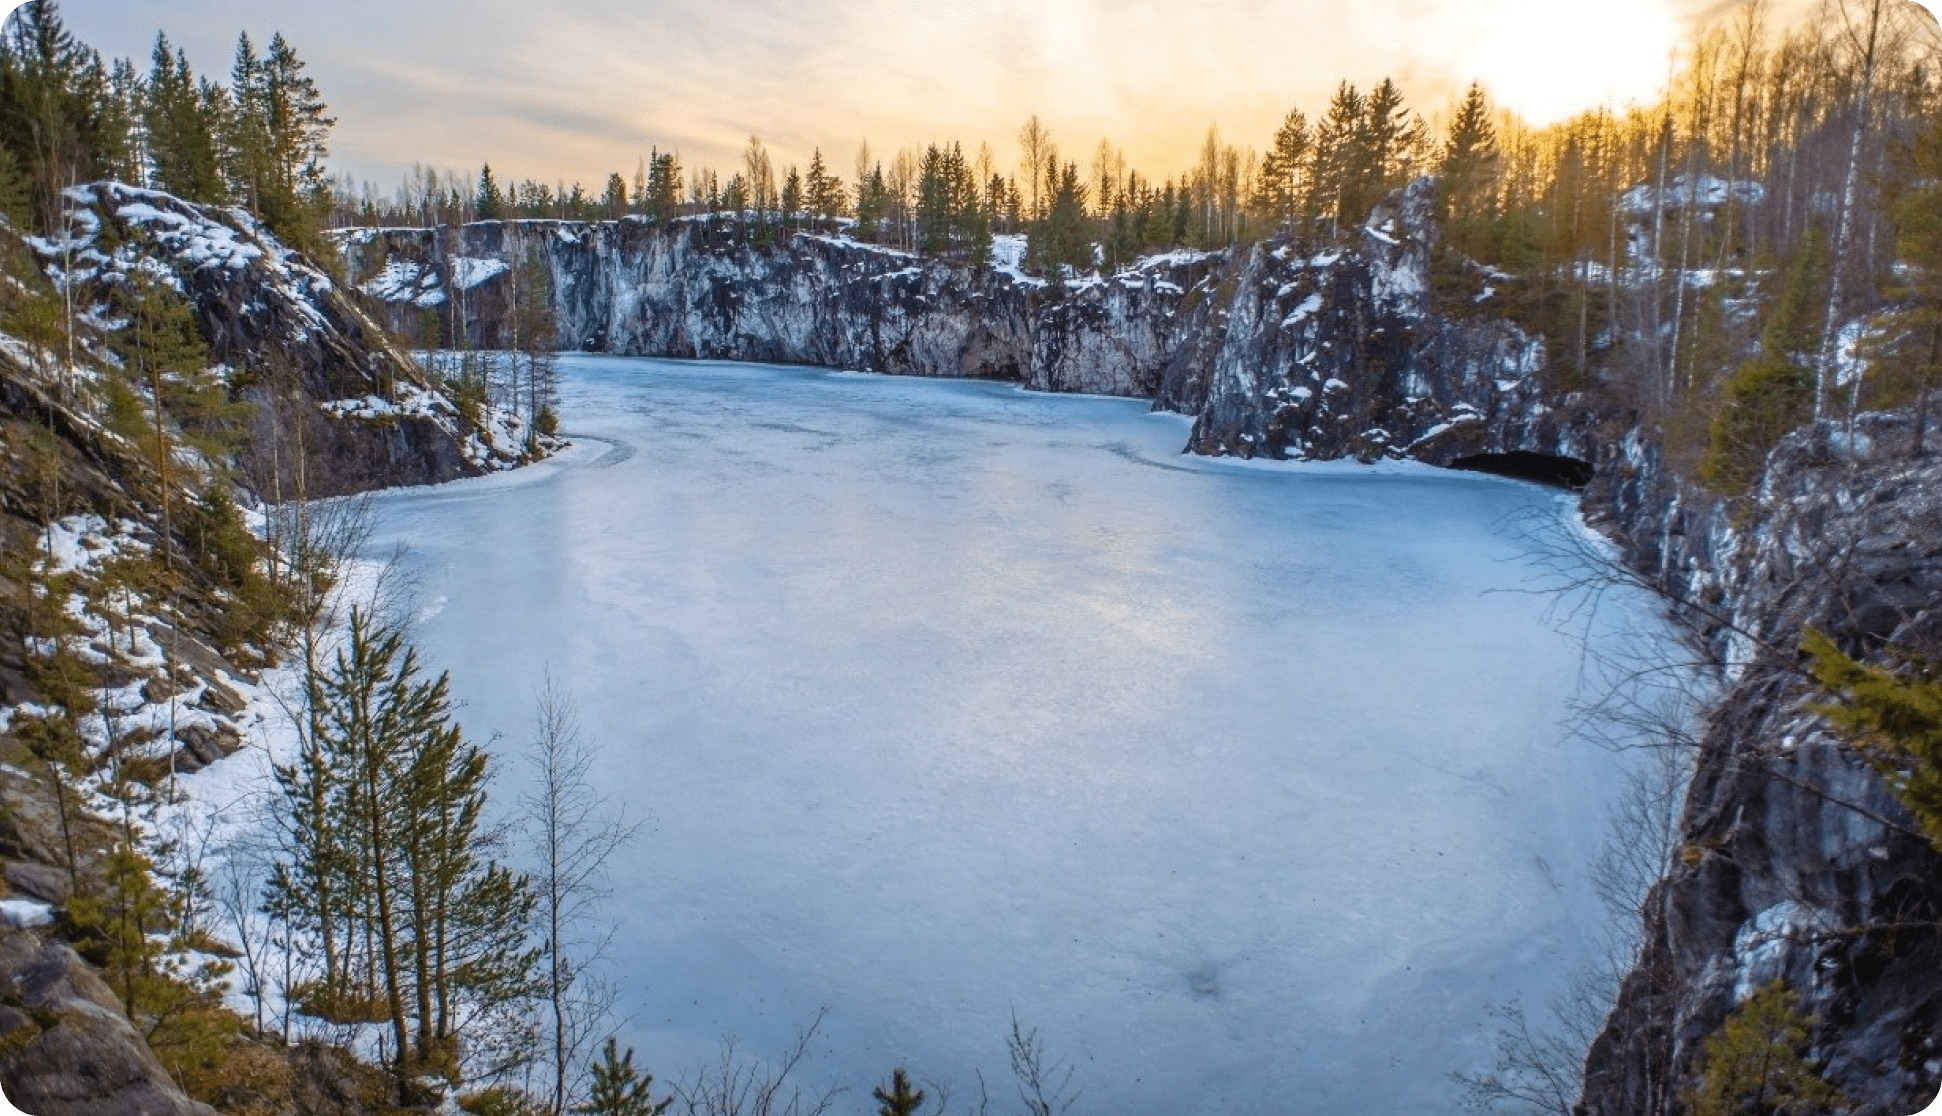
(1308, 306)
(468, 272)
(22, 914)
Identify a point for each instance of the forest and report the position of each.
(1760, 248)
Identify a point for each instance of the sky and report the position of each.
(578, 89)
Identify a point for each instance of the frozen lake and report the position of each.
(946, 700)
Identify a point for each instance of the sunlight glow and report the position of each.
(1547, 61)
(594, 84)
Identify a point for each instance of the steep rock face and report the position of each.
(707, 289)
(1337, 353)
(1797, 864)
(1279, 350)
(292, 341)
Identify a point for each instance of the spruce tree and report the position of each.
(899, 1099)
(183, 118)
(1467, 168)
(618, 1089)
(792, 195)
(1337, 158)
(488, 204)
(248, 139)
(663, 186)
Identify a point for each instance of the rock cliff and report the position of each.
(296, 348)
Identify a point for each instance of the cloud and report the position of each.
(578, 88)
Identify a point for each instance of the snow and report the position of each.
(412, 402)
(403, 280)
(948, 700)
(468, 272)
(1178, 257)
(202, 243)
(23, 913)
(1308, 306)
(1849, 361)
(1706, 191)
(1400, 285)
(1760, 946)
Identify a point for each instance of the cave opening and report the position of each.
(1540, 468)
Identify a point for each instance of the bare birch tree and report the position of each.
(573, 835)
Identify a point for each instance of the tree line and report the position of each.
(258, 141)
(1693, 259)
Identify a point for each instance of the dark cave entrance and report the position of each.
(1540, 468)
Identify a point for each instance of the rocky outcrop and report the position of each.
(292, 342)
(1796, 864)
(66, 1049)
(1280, 349)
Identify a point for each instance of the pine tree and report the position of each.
(899, 1099)
(1895, 718)
(1278, 193)
(443, 928)
(163, 349)
(277, 141)
(122, 927)
(618, 1089)
(1754, 1065)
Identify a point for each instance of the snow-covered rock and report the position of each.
(279, 327)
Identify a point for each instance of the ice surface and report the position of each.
(1240, 782)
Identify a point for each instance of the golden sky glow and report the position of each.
(579, 88)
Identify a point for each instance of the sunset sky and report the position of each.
(580, 88)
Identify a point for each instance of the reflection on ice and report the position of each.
(948, 700)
